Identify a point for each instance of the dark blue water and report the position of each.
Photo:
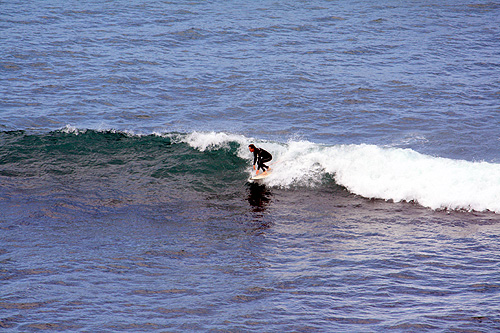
(125, 203)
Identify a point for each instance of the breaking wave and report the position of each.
(375, 172)
(217, 160)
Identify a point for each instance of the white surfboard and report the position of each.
(261, 175)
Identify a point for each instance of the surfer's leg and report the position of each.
(260, 166)
(265, 166)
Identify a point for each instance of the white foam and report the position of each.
(392, 174)
(68, 129)
(204, 141)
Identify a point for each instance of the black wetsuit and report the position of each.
(261, 156)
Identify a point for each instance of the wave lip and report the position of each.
(212, 140)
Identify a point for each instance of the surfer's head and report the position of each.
(251, 148)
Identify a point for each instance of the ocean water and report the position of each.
(125, 200)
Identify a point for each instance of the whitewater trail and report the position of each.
(374, 172)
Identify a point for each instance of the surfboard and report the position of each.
(261, 176)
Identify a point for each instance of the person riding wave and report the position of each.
(260, 156)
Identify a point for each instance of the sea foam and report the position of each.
(374, 172)
(395, 174)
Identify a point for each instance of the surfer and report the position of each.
(260, 156)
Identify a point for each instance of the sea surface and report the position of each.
(125, 199)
